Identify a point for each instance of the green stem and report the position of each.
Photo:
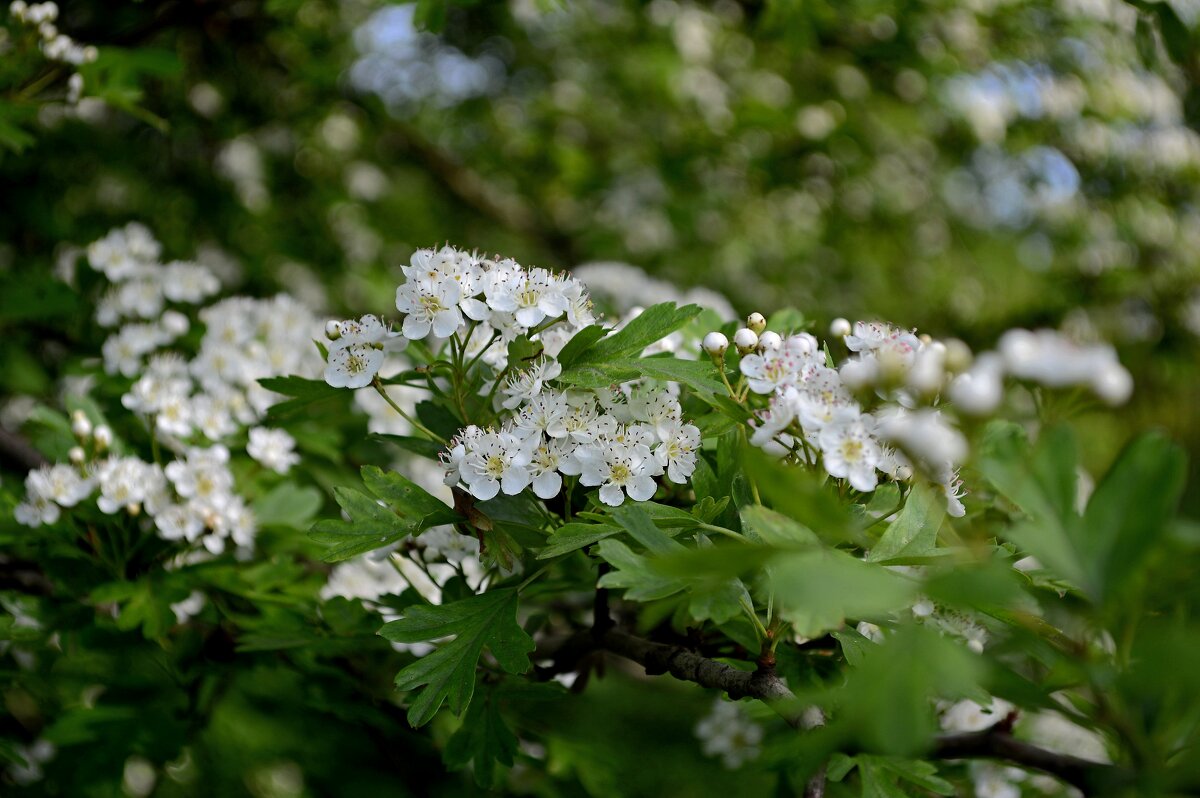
(533, 576)
(753, 616)
(720, 530)
(378, 386)
(471, 364)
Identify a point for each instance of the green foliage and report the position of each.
(408, 511)
(1099, 550)
(448, 674)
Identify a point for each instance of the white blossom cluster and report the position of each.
(216, 394)
(448, 291)
(814, 409)
(616, 442)
(727, 732)
(812, 412)
(142, 287)
(1042, 357)
(55, 46)
(196, 409)
(191, 499)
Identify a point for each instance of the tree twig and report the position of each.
(766, 686)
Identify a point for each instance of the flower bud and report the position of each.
(333, 330)
(746, 340)
(76, 455)
(80, 425)
(103, 436)
(858, 375)
(175, 323)
(715, 344)
(770, 341)
(1113, 384)
(958, 356)
(839, 328)
(756, 322)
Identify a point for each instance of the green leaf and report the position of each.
(523, 349)
(818, 590)
(1130, 511)
(572, 537)
(764, 525)
(697, 375)
(304, 393)
(633, 573)
(912, 536)
(640, 526)
(923, 774)
(287, 505)
(854, 646)
(580, 342)
(717, 596)
(483, 740)
(370, 527)
(447, 675)
(654, 324)
(408, 499)
(411, 510)
(419, 446)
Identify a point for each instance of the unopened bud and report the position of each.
(103, 436)
(770, 341)
(840, 328)
(80, 425)
(715, 344)
(76, 455)
(746, 340)
(1113, 384)
(958, 356)
(333, 330)
(756, 322)
(175, 323)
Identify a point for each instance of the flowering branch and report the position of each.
(765, 685)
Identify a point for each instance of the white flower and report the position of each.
(532, 296)
(60, 484)
(429, 305)
(525, 385)
(550, 459)
(728, 733)
(179, 522)
(969, 716)
(35, 511)
(619, 469)
(190, 607)
(450, 544)
(923, 434)
(498, 460)
(773, 370)
(353, 365)
(850, 452)
(235, 521)
(543, 412)
(123, 482)
(364, 578)
(454, 455)
(274, 448)
(189, 283)
(677, 452)
(659, 409)
(204, 477)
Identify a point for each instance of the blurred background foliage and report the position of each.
(962, 168)
(958, 167)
